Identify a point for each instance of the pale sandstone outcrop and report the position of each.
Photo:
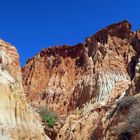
(18, 121)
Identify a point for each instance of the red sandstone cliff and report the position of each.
(93, 86)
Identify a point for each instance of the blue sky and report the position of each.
(32, 25)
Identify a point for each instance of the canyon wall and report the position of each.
(93, 86)
(70, 76)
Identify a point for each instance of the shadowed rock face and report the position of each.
(17, 119)
(84, 82)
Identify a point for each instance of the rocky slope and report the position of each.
(93, 86)
(18, 121)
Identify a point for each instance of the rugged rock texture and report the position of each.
(17, 119)
(52, 76)
(92, 86)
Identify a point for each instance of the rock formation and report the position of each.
(18, 121)
(93, 86)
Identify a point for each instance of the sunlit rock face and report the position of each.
(51, 76)
(17, 119)
(85, 82)
(56, 76)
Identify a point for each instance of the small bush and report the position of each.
(121, 104)
(126, 102)
(50, 120)
(134, 118)
(47, 116)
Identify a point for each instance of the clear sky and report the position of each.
(32, 25)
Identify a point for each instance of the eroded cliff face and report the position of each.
(18, 121)
(86, 84)
(51, 76)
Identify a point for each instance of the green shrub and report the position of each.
(50, 120)
(47, 116)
